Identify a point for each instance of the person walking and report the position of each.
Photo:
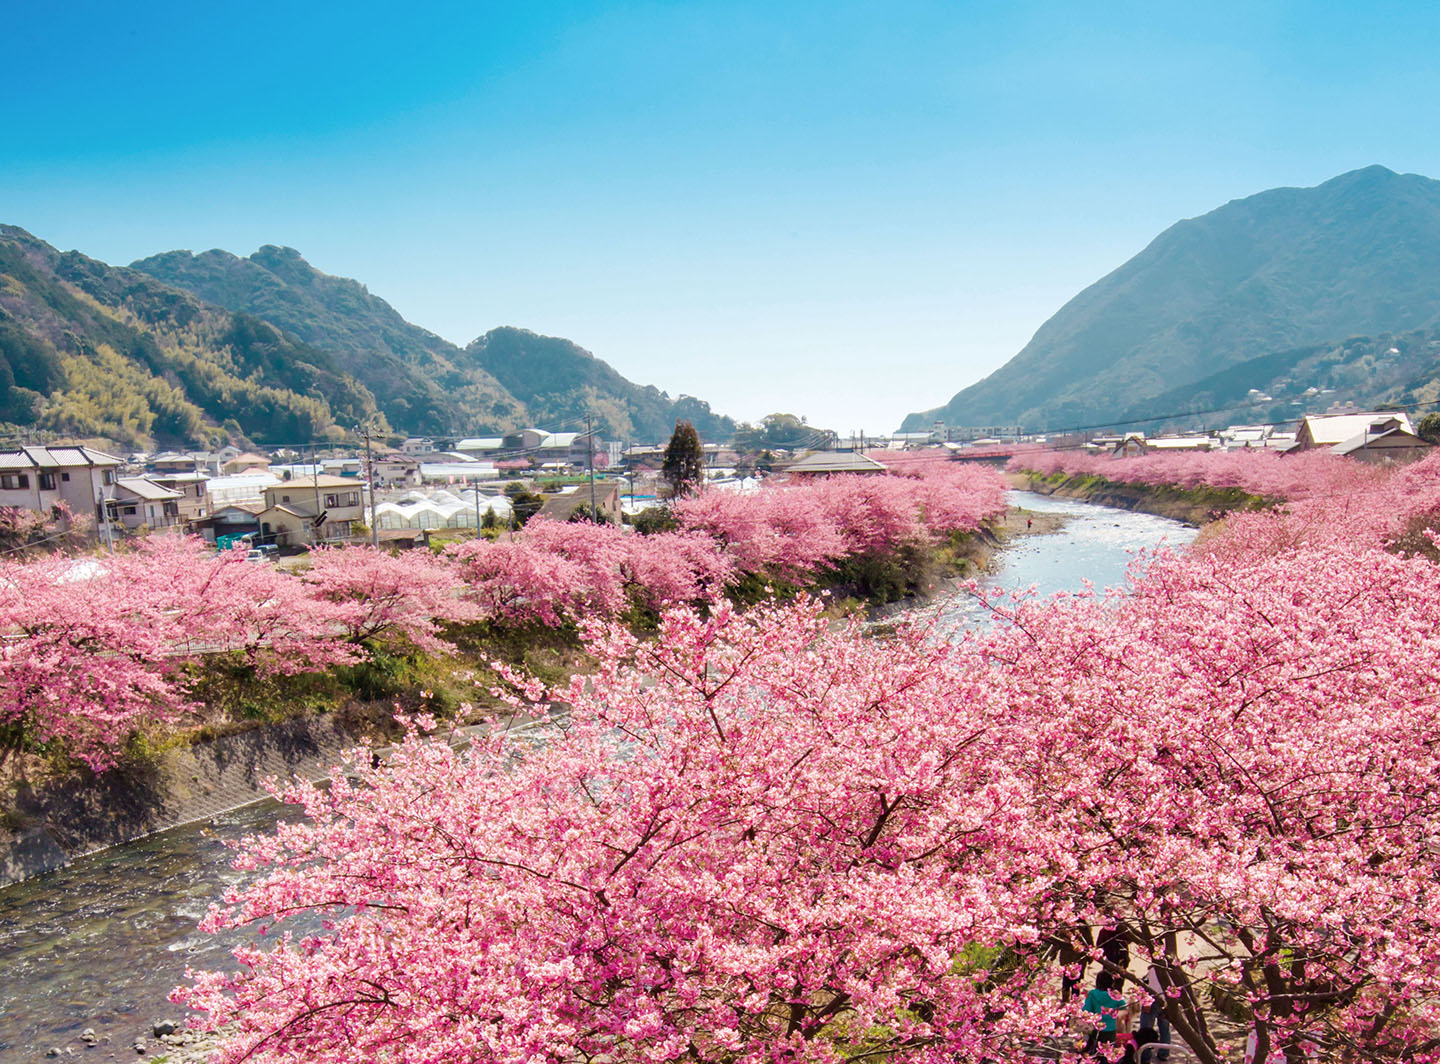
(1153, 1014)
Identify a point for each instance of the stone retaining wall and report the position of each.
(52, 825)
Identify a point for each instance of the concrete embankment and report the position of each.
(1193, 506)
(52, 823)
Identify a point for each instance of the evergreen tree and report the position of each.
(684, 467)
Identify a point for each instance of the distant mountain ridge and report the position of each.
(503, 380)
(1274, 272)
(103, 352)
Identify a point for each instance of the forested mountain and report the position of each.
(97, 351)
(417, 377)
(1370, 371)
(559, 381)
(506, 379)
(1275, 272)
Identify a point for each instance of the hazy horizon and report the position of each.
(843, 212)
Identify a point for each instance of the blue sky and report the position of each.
(847, 211)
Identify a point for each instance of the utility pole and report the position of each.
(590, 461)
(315, 483)
(370, 483)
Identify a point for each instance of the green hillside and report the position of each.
(559, 382)
(506, 379)
(1278, 271)
(1369, 371)
(414, 374)
(96, 351)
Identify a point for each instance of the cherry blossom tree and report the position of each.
(377, 595)
(1235, 767)
(754, 839)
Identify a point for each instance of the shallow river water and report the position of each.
(101, 943)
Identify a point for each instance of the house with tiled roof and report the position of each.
(39, 478)
(139, 502)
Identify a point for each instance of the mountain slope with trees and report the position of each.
(102, 352)
(559, 382)
(424, 384)
(1277, 271)
(417, 377)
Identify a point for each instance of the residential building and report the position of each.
(1327, 430)
(142, 503)
(417, 445)
(193, 504)
(1383, 442)
(311, 510)
(39, 478)
(249, 462)
(396, 469)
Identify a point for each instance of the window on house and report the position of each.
(330, 500)
(107, 477)
(130, 510)
(14, 481)
(47, 481)
(65, 476)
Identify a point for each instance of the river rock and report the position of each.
(164, 1027)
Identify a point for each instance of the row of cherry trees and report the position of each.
(1320, 498)
(95, 648)
(758, 838)
(1263, 473)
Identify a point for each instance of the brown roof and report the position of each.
(324, 480)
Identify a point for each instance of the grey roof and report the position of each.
(56, 458)
(146, 489)
(836, 462)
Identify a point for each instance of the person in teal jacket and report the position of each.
(1101, 1002)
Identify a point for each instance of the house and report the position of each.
(249, 462)
(232, 520)
(39, 478)
(417, 445)
(1383, 442)
(142, 503)
(173, 462)
(1178, 443)
(1129, 446)
(194, 501)
(826, 463)
(310, 510)
(564, 507)
(396, 469)
(1327, 430)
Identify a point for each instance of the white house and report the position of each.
(37, 478)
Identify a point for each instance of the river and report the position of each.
(100, 943)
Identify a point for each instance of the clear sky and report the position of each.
(842, 210)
